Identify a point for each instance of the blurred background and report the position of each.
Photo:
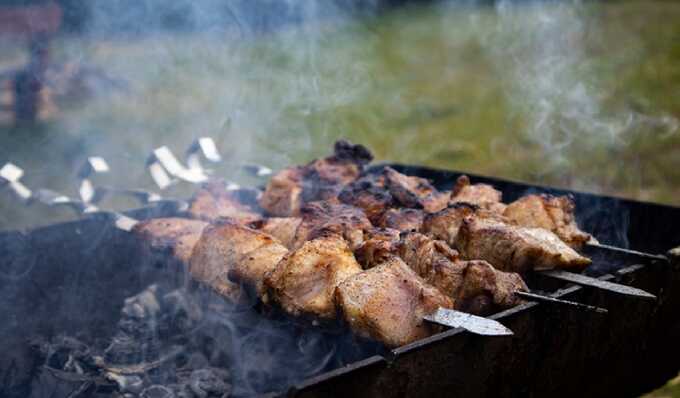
(577, 94)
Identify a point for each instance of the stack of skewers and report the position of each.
(377, 250)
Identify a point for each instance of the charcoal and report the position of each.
(210, 382)
(157, 391)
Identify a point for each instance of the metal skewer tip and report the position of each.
(552, 300)
(472, 323)
(599, 284)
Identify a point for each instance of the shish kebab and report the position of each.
(332, 173)
(311, 277)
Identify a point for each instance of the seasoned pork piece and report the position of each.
(319, 218)
(320, 179)
(379, 244)
(283, 195)
(369, 194)
(402, 219)
(474, 286)
(282, 228)
(387, 303)
(554, 213)
(482, 195)
(228, 254)
(484, 289)
(513, 248)
(304, 282)
(414, 192)
(445, 224)
(174, 236)
(213, 201)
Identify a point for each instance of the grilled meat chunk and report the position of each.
(445, 224)
(320, 179)
(554, 213)
(214, 201)
(229, 253)
(323, 217)
(174, 236)
(369, 194)
(282, 228)
(482, 195)
(474, 286)
(283, 195)
(513, 248)
(304, 281)
(414, 192)
(483, 289)
(402, 219)
(379, 244)
(387, 303)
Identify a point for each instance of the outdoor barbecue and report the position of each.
(370, 198)
(379, 269)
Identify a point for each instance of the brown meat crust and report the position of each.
(213, 201)
(513, 248)
(379, 245)
(554, 213)
(387, 303)
(402, 219)
(228, 254)
(414, 192)
(282, 228)
(483, 195)
(445, 224)
(324, 217)
(174, 236)
(369, 194)
(321, 179)
(304, 282)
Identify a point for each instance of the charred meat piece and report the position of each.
(379, 244)
(402, 219)
(482, 195)
(369, 194)
(214, 201)
(554, 213)
(304, 282)
(387, 303)
(414, 192)
(282, 228)
(320, 179)
(228, 254)
(474, 286)
(324, 217)
(174, 236)
(513, 248)
(445, 224)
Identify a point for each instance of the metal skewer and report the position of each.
(553, 300)
(472, 323)
(597, 283)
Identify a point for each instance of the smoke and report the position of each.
(544, 55)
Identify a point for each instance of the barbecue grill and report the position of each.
(74, 276)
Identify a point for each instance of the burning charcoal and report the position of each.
(157, 391)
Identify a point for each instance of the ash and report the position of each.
(181, 343)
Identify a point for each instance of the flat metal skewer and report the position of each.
(472, 323)
(597, 283)
(597, 245)
(552, 300)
